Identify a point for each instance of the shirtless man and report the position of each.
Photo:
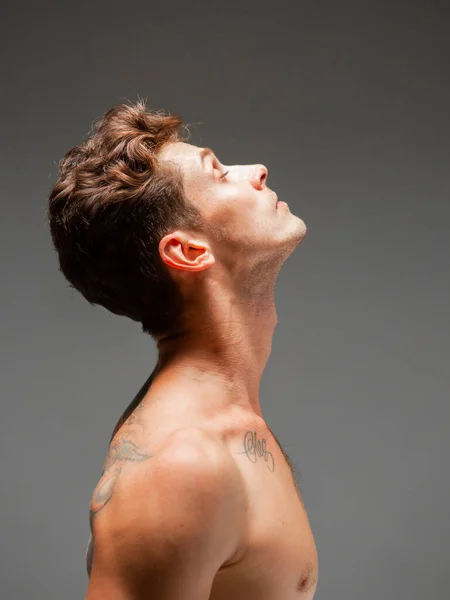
(197, 500)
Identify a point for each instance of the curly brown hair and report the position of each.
(110, 207)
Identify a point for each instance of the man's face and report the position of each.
(235, 200)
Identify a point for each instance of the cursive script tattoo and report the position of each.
(254, 448)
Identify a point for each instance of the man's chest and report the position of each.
(280, 559)
(279, 553)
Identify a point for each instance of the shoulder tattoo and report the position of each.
(121, 452)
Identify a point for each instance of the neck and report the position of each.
(226, 348)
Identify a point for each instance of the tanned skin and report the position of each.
(124, 450)
(228, 276)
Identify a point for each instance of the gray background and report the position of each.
(347, 104)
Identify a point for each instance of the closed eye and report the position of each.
(217, 165)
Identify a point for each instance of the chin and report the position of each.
(297, 233)
(299, 227)
(303, 227)
(292, 236)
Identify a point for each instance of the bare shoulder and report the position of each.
(196, 466)
(187, 451)
(185, 501)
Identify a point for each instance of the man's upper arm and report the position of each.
(170, 528)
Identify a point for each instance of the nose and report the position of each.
(258, 177)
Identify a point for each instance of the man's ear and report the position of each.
(183, 252)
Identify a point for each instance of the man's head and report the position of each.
(245, 222)
(138, 214)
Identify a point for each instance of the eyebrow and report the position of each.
(205, 152)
